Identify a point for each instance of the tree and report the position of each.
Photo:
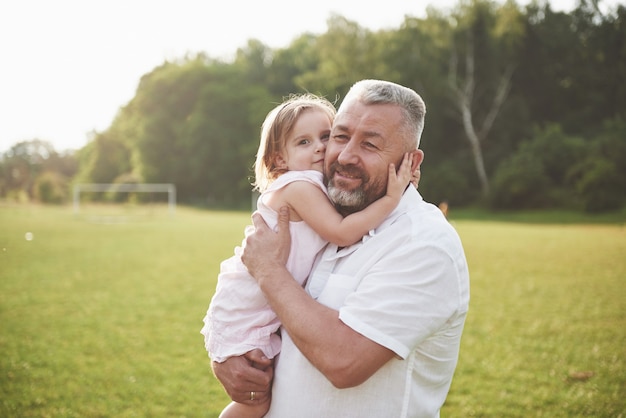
(345, 53)
(151, 123)
(103, 159)
(51, 187)
(195, 123)
(571, 65)
(540, 173)
(600, 178)
(25, 161)
(287, 64)
(481, 30)
(221, 138)
(488, 72)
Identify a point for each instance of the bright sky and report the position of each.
(67, 66)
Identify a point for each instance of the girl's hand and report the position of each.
(397, 182)
(415, 178)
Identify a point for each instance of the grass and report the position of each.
(554, 216)
(546, 332)
(100, 315)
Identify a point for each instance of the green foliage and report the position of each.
(199, 129)
(24, 162)
(51, 187)
(287, 64)
(444, 183)
(560, 171)
(103, 320)
(601, 177)
(538, 174)
(195, 121)
(114, 195)
(520, 183)
(344, 55)
(222, 138)
(103, 159)
(574, 85)
(601, 185)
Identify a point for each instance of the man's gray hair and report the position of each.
(385, 92)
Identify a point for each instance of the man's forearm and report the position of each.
(344, 356)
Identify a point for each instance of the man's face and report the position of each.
(364, 140)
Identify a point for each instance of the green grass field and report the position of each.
(100, 315)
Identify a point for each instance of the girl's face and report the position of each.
(305, 146)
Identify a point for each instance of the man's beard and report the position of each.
(351, 201)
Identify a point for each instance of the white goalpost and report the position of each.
(168, 188)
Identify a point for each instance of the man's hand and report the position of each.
(242, 375)
(266, 250)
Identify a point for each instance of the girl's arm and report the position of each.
(313, 207)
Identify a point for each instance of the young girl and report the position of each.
(289, 172)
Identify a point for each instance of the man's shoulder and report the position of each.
(424, 223)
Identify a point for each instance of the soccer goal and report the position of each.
(168, 188)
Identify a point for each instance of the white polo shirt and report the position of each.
(404, 286)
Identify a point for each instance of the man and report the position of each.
(376, 331)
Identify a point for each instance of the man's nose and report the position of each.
(348, 154)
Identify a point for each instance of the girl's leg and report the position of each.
(240, 410)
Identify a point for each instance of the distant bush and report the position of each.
(51, 187)
(601, 177)
(601, 186)
(538, 175)
(554, 170)
(445, 183)
(520, 183)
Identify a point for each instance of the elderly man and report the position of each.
(377, 329)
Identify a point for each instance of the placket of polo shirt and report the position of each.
(325, 266)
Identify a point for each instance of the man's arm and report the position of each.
(344, 356)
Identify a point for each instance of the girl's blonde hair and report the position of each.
(277, 126)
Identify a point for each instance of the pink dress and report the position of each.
(239, 318)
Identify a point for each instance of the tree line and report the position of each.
(526, 108)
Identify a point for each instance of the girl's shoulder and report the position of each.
(293, 188)
(310, 176)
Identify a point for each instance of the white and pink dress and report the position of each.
(239, 319)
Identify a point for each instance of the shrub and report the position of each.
(520, 183)
(51, 187)
(600, 179)
(538, 175)
(601, 186)
(445, 182)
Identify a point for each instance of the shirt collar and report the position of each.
(410, 196)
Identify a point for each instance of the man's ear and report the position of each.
(418, 158)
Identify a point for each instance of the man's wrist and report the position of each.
(268, 274)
